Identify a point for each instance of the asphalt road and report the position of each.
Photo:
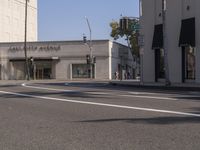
(97, 116)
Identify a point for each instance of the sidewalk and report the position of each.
(18, 82)
(177, 86)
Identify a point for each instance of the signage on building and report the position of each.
(141, 51)
(141, 40)
(35, 48)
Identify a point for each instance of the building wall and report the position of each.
(173, 26)
(176, 12)
(121, 55)
(12, 16)
(197, 15)
(147, 22)
(62, 54)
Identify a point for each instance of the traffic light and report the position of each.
(84, 39)
(121, 24)
(88, 59)
(94, 59)
(124, 23)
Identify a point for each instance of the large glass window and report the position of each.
(81, 71)
(189, 63)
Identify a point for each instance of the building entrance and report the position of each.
(43, 73)
(39, 73)
(159, 64)
(42, 70)
(188, 63)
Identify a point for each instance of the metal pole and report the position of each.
(141, 49)
(90, 46)
(25, 43)
(167, 80)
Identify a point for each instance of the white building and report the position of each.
(12, 16)
(65, 60)
(182, 40)
(56, 59)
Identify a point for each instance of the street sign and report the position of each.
(135, 27)
(141, 40)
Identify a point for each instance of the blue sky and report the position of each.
(65, 19)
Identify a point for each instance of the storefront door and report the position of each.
(188, 63)
(43, 70)
(39, 73)
(159, 64)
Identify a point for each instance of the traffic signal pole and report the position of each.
(27, 72)
(90, 47)
(167, 80)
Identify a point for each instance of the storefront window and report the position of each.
(189, 63)
(81, 71)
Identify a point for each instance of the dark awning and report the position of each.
(187, 35)
(35, 59)
(158, 37)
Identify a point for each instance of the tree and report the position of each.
(127, 29)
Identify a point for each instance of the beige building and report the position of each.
(12, 16)
(182, 40)
(56, 59)
(65, 60)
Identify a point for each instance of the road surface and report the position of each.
(97, 116)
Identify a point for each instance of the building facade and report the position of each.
(65, 60)
(181, 39)
(12, 20)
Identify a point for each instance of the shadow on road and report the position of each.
(107, 86)
(195, 98)
(64, 94)
(155, 120)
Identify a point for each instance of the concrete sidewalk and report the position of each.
(18, 82)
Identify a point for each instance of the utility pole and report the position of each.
(27, 72)
(167, 80)
(90, 47)
(141, 45)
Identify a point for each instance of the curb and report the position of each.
(157, 87)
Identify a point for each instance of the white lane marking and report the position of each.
(52, 89)
(178, 97)
(85, 84)
(140, 93)
(172, 94)
(44, 88)
(152, 97)
(97, 93)
(103, 104)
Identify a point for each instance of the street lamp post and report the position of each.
(27, 72)
(167, 80)
(141, 46)
(90, 47)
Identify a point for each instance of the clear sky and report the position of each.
(65, 19)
